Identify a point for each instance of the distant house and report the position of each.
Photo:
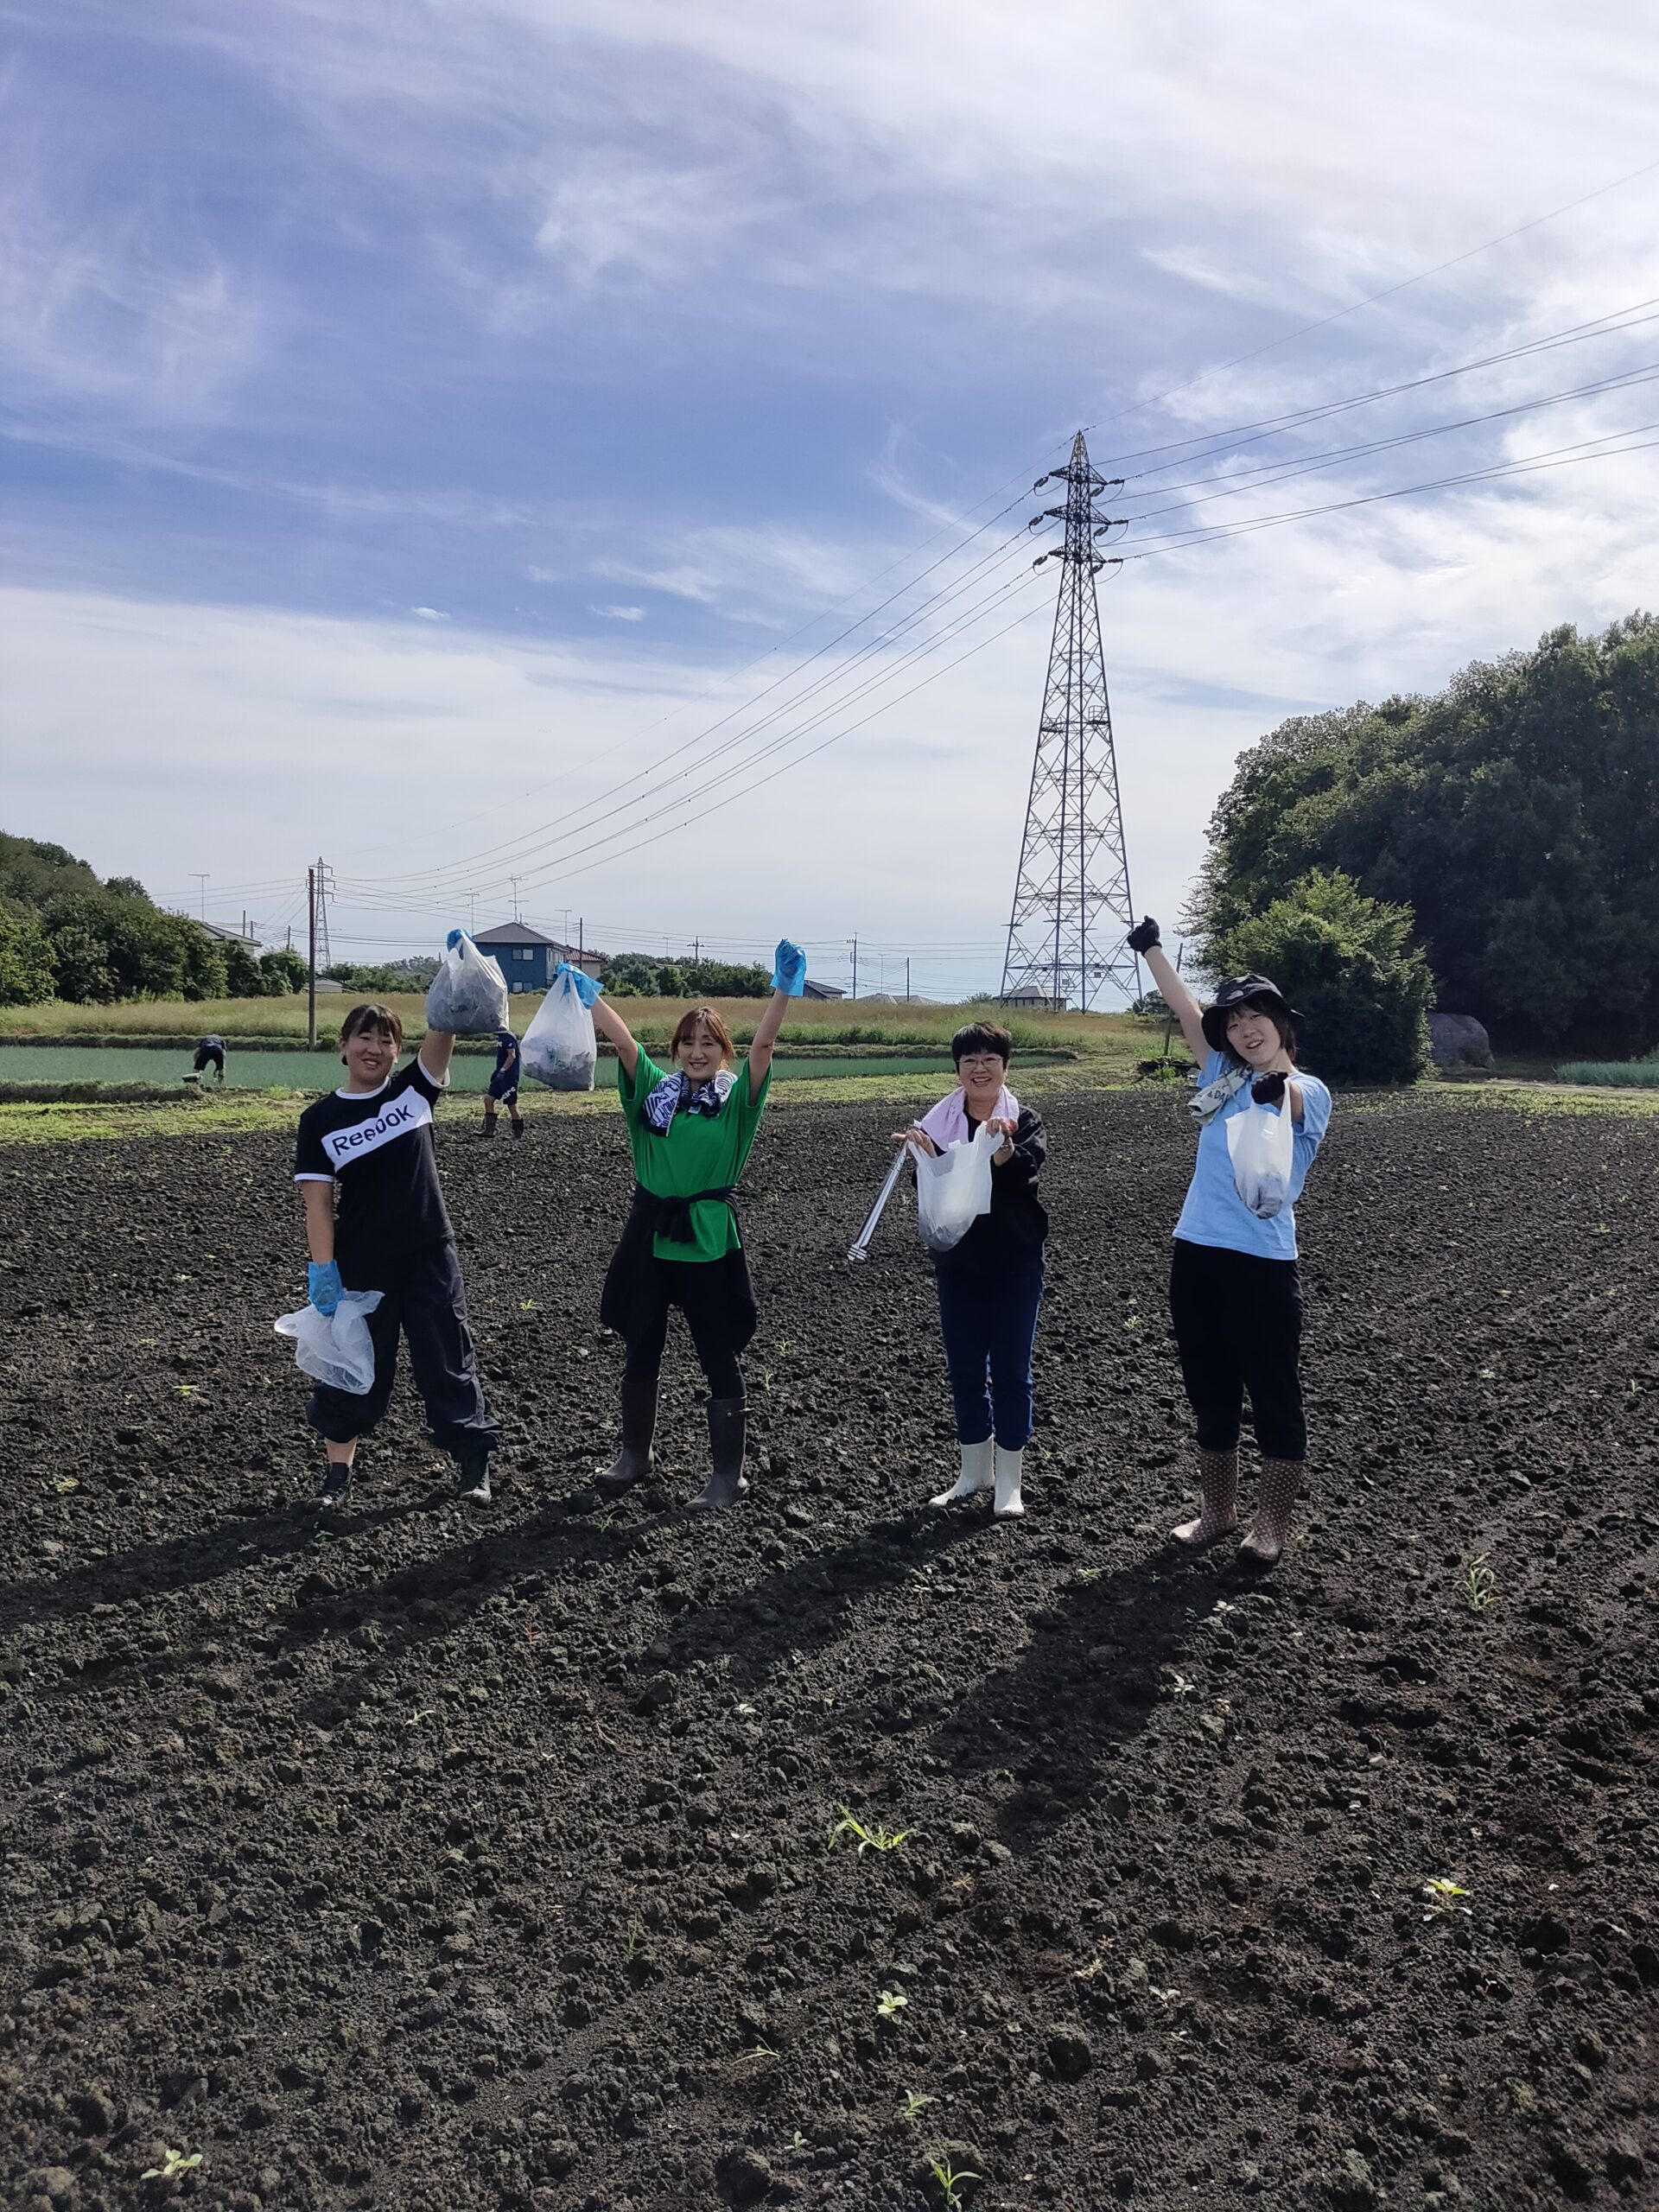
(527, 958)
(222, 936)
(822, 990)
(1031, 1002)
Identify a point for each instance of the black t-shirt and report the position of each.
(1013, 1232)
(377, 1146)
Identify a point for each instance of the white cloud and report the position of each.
(429, 613)
(621, 613)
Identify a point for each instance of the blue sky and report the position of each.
(419, 420)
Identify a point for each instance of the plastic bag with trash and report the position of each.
(1261, 1143)
(559, 1047)
(469, 993)
(953, 1188)
(335, 1348)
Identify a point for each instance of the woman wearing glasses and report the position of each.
(991, 1285)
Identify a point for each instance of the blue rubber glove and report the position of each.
(452, 940)
(789, 969)
(323, 1285)
(588, 988)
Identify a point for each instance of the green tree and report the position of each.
(202, 963)
(634, 970)
(284, 972)
(26, 972)
(242, 976)
(1349, 964)
(1517, 813)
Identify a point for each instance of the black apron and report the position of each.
(633, 1281)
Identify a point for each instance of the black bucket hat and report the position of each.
(1237, 991)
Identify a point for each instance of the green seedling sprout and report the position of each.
(914, 2104)
(876, 1838)
(635, 1944)
(762, 2051)
(891, 2003)
(950, 2182)
(798, 2143)
(1479, 1583)
(1442, 1894)
(174, 2163)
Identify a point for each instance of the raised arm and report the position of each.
(765, 1036)
(436, 1046)
(611, 1025)
(1181, 1001)
(788, 981)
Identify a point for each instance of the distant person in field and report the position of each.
(990, 1284)
(690, 1125)
(375, 1220)
(210, 1053)
(503, 1085)
(1234, 1289)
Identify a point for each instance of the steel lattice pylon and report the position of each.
(1071, 908)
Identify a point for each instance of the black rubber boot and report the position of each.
(639, 1402)
(727, 1425)
(474, 1478)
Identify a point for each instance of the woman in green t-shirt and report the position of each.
(691, 1127)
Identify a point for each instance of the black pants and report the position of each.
(1238, 1327)
(713, 1296)
(990, 1326)
(207, 1058)
(422, 1299)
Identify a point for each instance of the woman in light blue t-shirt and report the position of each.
(1235, 1289)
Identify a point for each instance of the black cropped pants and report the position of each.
(713, 1294)
(422, 1300)
(1238, 1328)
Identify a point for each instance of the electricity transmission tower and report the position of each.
(1072, 906)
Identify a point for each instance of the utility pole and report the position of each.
(855, 967)
(1074, 870)
(906, 979)
(311, 963)
(580, 926)
(201, 875)
(513, 881)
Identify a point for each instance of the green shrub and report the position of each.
(1350, 964)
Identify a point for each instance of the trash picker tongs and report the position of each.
(859, 1250)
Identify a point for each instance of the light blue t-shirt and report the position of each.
(1214, 1212)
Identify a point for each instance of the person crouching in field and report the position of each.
(691, 1126)
(1235, 1289)
(375, 1220)
(990, 1284)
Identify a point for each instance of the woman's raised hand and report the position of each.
(919, 1137)
(587, 987)
(789, 969)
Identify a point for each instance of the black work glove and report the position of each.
(1267, 1089)
(1143, 940)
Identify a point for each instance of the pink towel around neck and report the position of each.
(947, 1123)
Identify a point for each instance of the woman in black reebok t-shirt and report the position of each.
(375, 1220)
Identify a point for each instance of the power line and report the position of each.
(1387, 293)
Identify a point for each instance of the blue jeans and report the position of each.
(990, 1326)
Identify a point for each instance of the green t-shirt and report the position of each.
(701, 1152)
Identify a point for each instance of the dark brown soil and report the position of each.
(427, 1859)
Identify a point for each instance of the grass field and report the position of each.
(813, 1021)
(1620, 1075)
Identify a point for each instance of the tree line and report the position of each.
(67, 934)
(1493, 848)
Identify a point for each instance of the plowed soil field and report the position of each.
(420, 1857)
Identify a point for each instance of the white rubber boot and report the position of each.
(975, 1475)
(1008, 1505)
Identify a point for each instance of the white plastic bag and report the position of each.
(335, 1348)
(468, 993)
(953, 1189)
(1261, 1143)
(559, 1048)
